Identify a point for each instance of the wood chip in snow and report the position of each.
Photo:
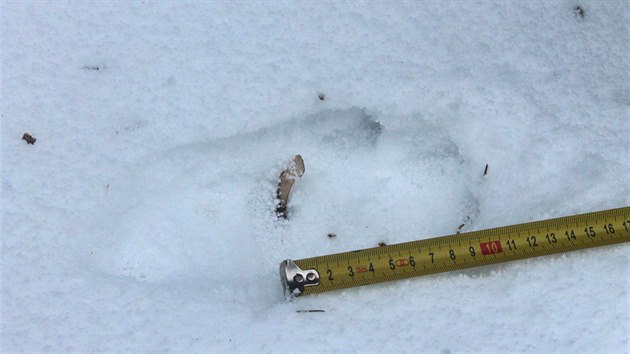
(294, 170)
(29, 139)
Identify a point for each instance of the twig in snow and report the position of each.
(579, 12)
(460, 227)
(485, 171)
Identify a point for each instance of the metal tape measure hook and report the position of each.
(295, 279)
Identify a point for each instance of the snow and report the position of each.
(142, 219)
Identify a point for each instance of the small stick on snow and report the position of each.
(301, 311)
(460, 227)
(294, 170)
(579, 12)
(485, 172)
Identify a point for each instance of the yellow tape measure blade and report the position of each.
(454, 252)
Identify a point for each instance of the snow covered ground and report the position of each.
(142, 219)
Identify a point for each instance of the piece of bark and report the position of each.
(29, 139)
(291, 173)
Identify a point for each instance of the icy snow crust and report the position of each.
(143, 217)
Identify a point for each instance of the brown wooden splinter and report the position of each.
(294, 170)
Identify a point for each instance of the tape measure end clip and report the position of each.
(295, 279)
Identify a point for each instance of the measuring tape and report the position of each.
(454, 252)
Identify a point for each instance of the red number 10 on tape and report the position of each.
(491, 247)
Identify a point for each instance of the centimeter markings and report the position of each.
(466, 250)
